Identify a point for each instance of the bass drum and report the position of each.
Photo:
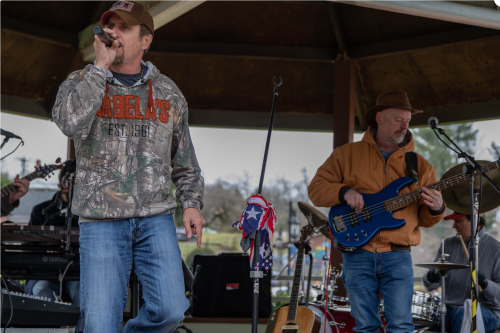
(344, 322)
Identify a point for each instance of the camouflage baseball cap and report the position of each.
(133, 13)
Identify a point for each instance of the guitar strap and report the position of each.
(412, 165)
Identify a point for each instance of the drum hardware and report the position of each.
(333, 323)
(443, 266)
(331, 289)
(477, 203)
(457, 197)
(319, 220)
(425, 308)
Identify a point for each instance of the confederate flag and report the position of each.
(259, 214)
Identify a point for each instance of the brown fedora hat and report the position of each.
(387, 100)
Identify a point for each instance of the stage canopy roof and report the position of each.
(223, 56)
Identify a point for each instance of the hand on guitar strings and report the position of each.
(355, 200)
(432, 198)
(22, 187)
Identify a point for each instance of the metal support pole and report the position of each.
(443, 305)
(4, 142)
(472, 256)
(256, 274)
(309, 278)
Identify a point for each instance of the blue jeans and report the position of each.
(108, 252)
(46, 288)
(454, 317)
(365, 273)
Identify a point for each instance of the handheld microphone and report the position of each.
(10, 135)
(104, 36)
(433, 122)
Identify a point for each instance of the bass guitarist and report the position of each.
(368, 166)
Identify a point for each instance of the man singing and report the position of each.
(129, 124)
(369, 166)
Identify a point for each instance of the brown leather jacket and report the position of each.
(360, 165)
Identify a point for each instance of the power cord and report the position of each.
(13, 150)
(445, 142)
(11, 306)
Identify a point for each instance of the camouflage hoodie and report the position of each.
(130, 144)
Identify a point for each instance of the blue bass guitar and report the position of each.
(353, 230)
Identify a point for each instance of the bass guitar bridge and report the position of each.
(339, 223)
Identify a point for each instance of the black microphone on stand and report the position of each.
(9, 134)
(433, 122)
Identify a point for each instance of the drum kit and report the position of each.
(427, 309)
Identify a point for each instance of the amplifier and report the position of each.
(33, 311)
(223, 287)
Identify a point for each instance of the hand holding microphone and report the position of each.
(104, 36)
(105, 47)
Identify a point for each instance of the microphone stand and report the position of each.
(469, 170)
(257, 274)
(5, 140)
(69, 214)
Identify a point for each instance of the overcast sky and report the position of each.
(222, 153)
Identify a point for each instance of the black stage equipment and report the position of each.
(222, 287)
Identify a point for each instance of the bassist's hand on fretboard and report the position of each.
(433, 198)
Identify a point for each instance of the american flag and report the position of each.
(123, 5)
(259, 214)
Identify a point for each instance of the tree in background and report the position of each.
(279, 192)
(440, 156)
(301, 187)
(224, 201)
(494, 151)
(223, 204)
(6, 180)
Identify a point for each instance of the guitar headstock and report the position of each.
(306, 232)
(46, 170)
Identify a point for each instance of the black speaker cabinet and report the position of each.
(223, 287)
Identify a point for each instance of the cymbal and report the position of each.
(443, 266)
(457, 197)
(319, 220)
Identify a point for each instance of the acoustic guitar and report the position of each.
(293, 318)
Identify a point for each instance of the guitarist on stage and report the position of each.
(368, 166)
(11, 202)
(49, 213)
